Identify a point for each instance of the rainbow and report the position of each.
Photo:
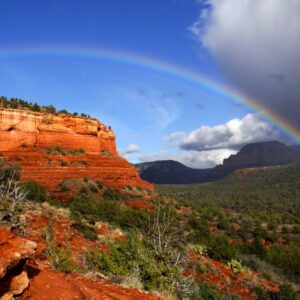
(160, 66)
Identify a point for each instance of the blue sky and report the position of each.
(154, 115)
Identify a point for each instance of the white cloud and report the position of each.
(208, 146)
(132, 148)
(193, 159)
(257, 44)
(231, 135)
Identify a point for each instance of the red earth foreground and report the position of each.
(53, 285)
(33, 280)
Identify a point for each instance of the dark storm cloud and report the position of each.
(257, 44)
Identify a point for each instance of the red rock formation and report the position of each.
(14, 251)
(26, 135)
(37, 129)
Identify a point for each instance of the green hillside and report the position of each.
(275, 189)
(253, 215)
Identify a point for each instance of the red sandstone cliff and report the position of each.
(26, 137)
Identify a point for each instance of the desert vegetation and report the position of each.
(17, 103)
(184, 244)
(57, 150)
(253, 218)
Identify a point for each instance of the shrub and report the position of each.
(133, 256)
(224, 223)
(286, 292)
(219, 248)
(60, 257)
(86, 230)
(111, 194)
(81, 207)
(8, 171)
(36, 192)
(63, 187)
(100, 185)
(84, 190)
(296, 229)
(205, 291)
(235, 266)
(12, 194)
(257, 248)
(63, 163)
(84, 162)
(286, 257)
(200, 232)
(260, 293)
(285, 229)
(129, 187)
(106, 153)
(48, 150)
(58, 149)
(93, 187)
(199, 249)
(63, 111)
(50, 109)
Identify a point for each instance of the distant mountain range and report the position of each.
(171, 171)
(251, 155)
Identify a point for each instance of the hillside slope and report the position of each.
(266, 188)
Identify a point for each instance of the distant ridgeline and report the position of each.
(250, 156)
(17, 103)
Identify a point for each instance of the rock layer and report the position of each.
(21, 127)
(88, 149)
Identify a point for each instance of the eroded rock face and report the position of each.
(16, 286)
(19, 127)
(14, 251)
(26, 136)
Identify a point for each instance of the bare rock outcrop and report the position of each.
(14, 251)
(86, 148)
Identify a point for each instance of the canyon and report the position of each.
(52, 148)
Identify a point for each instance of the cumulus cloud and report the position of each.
(132, 148)
(257, 44)
(193, 159)
(208, 146)
(231, 135)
